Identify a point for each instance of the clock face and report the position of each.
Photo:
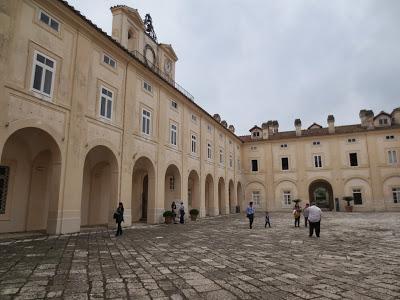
(168, 66)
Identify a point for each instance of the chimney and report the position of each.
(231, 128)
(275, 126)
(396, 116)
(367, 118)
(265, 128)
(297, 124)
(224, 123)
(331, 124)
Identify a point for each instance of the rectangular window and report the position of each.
(390, 137)
(209, 128)
(230, 161)
(174, 134)
(256, 134)
(238, 164)
(383, 121)
(357, 196)
(285, 163)
(174, 104)
(49, 21)
(109, 61)
(253, 148)
(351, 140)
(44, 69)
(283, 145)
(209, 151)
(4, 175)
(194, 143)
(317, 161)
(106, 103)
(194, 118)
(287, 200)
(254, 165)
(221, 156)
(256, 198)
(353, 159)
(172, 183)
(147, 87)
(395, 191)
(146, 119)
(392, 157)
(316, 143)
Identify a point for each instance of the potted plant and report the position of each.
(348, 199)
(193, 214)
(168, 215)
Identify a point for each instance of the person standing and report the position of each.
(305, 214)
(267, 220)
(182, 214)
(250, 213)
(314, 218)
(296, 215)
(119, 217)
(173, 209)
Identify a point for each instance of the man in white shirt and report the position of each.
(250, 213)
(314, 219)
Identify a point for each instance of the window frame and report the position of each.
(256, 198)
(392, 157)
(287, 198)
(173, 102)
(193, 143)
(209, 151)
(252, 165)
(146, 122)
(356, 159)
(396, 194)
(317, 164)
(44, 67)
(173, 134)
(288, 164)
(107, 97)
(148, 86)
(5, 191)
(221, 156)
(51, 18)
(110, 58)
(359, 191)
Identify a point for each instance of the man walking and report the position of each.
(314, 218)
(250, 213)
(305, 214)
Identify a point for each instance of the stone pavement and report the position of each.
(357, 257)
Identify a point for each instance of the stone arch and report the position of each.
(240, 196)
(100, 186)
(221, 196)
(143, 189)
(285, 192)
(358, 183)
(391, 185)
(31, 173)
(172, 187)
(209, 194)
(321, 192)
(194, 190)
(232, 197)
(253, 190)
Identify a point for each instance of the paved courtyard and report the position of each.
(357, 257)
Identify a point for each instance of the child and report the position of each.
(267, 220)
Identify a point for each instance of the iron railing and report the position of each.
(165, 76)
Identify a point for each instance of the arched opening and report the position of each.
(100, 187)
(320, 191)
(231, 192)
(209, 194)
(172, 186)
(31, 169)
(132, 40)
(221, 196)
(143, 189)
(240, 199)
(193, 190)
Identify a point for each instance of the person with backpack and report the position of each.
(297, 215)
(119, 217)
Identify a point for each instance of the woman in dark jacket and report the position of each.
(119, 217)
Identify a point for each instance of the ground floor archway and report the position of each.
(320, 191)
(193, 190)
(30, 172)
(231, 197)
(221, 196)
(240, 198)
(209, 194)
(100, 187)
(172, 188)
(143, 189)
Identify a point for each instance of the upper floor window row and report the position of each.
(147, 86)
(109, 61)
(49, 21)
(43, 73)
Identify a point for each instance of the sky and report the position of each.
(257, 60)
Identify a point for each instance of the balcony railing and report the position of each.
(165, 76)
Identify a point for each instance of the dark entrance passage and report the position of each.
(321, 192)
(145, 197)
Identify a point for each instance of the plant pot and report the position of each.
(193, 217)
(349, 208)
(168, 220)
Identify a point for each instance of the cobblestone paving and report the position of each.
(357, 257)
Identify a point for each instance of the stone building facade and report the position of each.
(88, 120)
